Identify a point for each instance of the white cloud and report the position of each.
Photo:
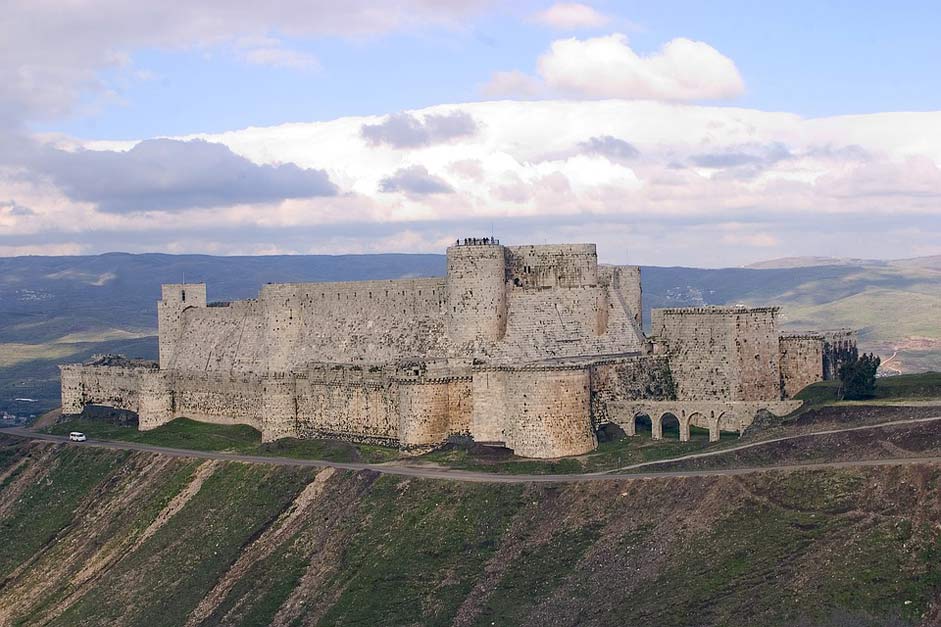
(607, 67)
(659, 178)
(571, 16)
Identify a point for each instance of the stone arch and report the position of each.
(687, 423)
(641, 422)
(657, 424)
(720, 416)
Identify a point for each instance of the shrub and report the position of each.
(859, 377)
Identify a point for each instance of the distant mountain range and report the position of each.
(64, 309)
(804, 262)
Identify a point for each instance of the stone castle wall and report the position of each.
(552, 265)
(630, 379)
(529, 346)
(720, 353)
(801, 359)
(174, 300)
(476, 295)
(536, 412)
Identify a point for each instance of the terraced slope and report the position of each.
(102, 537)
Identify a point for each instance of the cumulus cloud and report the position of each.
(172, 175)
(613, 148)
(570, 16)
(415, 179)
(404, 130)
(567, 170)
(607, 67)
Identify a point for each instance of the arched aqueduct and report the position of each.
(714, 416)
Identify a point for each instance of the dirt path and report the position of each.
(627, 472)
(742, 447)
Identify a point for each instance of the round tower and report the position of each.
(476, 291)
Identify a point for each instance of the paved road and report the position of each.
(486, 477)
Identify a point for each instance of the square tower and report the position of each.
(175, 299)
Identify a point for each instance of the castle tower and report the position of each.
(175, 299)
(476, 291)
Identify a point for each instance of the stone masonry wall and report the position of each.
(460, 405)
(755, 371)
(175, 299)
(548, 413)
(626, 280)
(552, 265)
(222, 339)
(476, 296)
(371, 322)
(490, 406)
(536, 412)
(801, 362)
(347, 402)
(218, 398)
(629, 379)
(112, 386)
(720, 353)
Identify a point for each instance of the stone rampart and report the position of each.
(175, 299)
(629, 379)
(801, 362)
(552, 265)
(720, 353)
(476, 296)
(532, 347)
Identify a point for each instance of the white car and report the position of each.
(77, 436)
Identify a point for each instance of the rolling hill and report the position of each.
(64, 309)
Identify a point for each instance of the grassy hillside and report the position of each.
(104, 537)
(56, 309)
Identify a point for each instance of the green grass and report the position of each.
(180, 433)
(826, 547)
(417, 549)
(332, 450)
(609, 455)
(536, 574)
(906, 387)
(185, 558)
(48, 505)
(242, 439)
(799, 531)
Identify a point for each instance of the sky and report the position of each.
(669, 133)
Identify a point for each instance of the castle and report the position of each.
(530, 347)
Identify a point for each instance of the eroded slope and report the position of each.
(103, 537)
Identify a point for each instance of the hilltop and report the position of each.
(64, 309)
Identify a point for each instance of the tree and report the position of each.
(859, 377)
